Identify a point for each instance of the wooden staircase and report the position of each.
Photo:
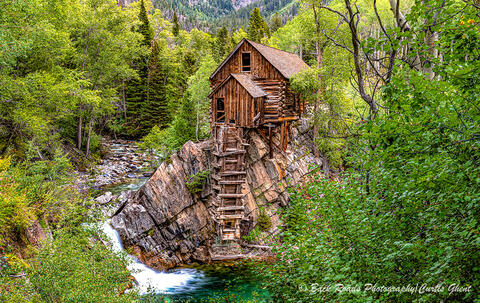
(229, 177)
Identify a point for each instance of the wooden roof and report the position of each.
(286, 63)
(246, 82)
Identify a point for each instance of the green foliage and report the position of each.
(176, 25)
(155, 110)
(196, 182)
(75, 269)
(264, 222)
(276, 23)
(253, 235)
(406, 211)
(144, 28)
(258, 29)
(222, 45)
(15, 209)
(62, 72)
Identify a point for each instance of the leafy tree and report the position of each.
(258, 28)
(198, 90)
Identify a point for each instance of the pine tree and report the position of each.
(258, 28)
(276, 23)
(221, 44)
(145, 29)
(136, 89)
(155, 110)
(176, 25)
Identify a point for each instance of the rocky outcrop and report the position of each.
(166, 225)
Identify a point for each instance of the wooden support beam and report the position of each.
(271, 142)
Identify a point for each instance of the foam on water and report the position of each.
(150, 280)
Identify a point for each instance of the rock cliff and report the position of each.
(166, 225)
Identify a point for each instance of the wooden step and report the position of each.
(228, 230)
(226, 154)
(231, 149)
(227, 217)
(230, 195)
(223, 182)
(232, 173)
(227, 208)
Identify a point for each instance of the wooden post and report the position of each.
(271, 141)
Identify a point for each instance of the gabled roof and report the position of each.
(246, 82)
(286, 63)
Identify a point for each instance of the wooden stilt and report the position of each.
(271, 141)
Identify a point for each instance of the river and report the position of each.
(200, 283)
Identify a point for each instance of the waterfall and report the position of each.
(150, 280)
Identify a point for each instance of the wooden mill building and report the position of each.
(250, 92)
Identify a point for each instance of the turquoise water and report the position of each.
(221, 283)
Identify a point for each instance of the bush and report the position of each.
(76, 269)
(196, 182)
(264, 221)
(15, 211)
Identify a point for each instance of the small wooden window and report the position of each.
(220, 110)
(246, 62)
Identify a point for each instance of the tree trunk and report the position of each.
(316, 107)
(124, 101)
(87, 152)
(79, 133)
(198, 120)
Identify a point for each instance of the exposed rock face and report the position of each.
(168, 226)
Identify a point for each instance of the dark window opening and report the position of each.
(220, 110)
(220, 104)
(229, 224)
(232, 121)
(246, 62)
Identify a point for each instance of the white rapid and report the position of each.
(152, 281)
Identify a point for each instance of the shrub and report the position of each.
(264, 221)
(196, 182)
(76, 269)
